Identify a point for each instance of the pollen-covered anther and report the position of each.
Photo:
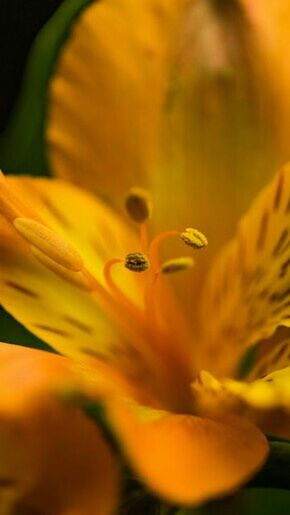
(194, 238)
(52, 245)
(138, 204)
(136, 262)
(176, 265)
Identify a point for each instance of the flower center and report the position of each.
(164, 329)
(139, 208)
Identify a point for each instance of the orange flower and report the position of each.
(63, 277)
(125, 108)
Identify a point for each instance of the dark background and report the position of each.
(20, 21)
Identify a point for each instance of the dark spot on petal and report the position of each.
(278, 192)
(52, 330)
(21, 289)
(261, 239)
(93, 353)
(280, 247)
(78, 324)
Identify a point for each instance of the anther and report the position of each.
(194, 238)
(136, 262)
(45, 240)
(138, 204)
(176, 265)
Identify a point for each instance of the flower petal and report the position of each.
(114, 110)
(247, 294)
(51, 454)
(266, 400)
(187, 459)
(51, 300)
(270, 21)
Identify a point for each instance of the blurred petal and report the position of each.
(52, 456)
(113, 110)
(271, 21)
(247, 295)
(265, 400)
(184, 458)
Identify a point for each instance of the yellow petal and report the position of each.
(39, 287)
(246, 296)
(187, 459)
(107, 94)
(51, 454)
(263, 395)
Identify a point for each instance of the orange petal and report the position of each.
(52, 455)
(271, 22)
(188, 459)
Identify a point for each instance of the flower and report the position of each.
(95, 286)
(66, 276)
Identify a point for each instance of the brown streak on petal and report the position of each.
(78, 324)
(280, 243)
(278, 193)
(280, 352)
(53, 330)
(284, 268)
(262, 231)
(280, 308)
(21, 289)
(93, 353)
(277, 297)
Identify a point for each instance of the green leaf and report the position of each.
(22, 145)
(251, 501)
(276, 472)
(12, 331)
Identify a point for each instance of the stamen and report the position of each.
(118, 295)
(122, 300)
(155, 246)
(138, 204)
(45, 240)
(144, 239)
(176, 265)
(108, 274)
(136, 262)
(194, 238)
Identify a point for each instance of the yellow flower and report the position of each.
(75, 270)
